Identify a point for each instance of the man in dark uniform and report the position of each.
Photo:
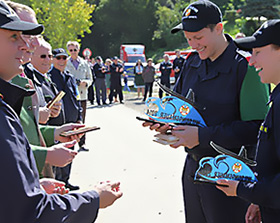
(178, 64)
(26, 201)
(265, 45)
(116, 86)
(165, 69)
(217, 76)
(66, 82)
(100, 85)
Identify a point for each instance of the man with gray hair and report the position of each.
(80, 68)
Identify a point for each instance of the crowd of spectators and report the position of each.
(35, 153)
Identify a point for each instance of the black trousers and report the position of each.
(100, 88)
(165, 83)
(91, 93)
(115, 89)
(148, 87)
(84, 106)
(63, 173)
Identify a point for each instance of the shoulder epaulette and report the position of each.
(30, 66)
(192, 53)
(247, 55)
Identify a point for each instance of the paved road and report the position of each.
(150, 174)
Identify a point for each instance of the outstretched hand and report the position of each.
(52, 186)
(108, 193)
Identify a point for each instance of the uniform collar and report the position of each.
(221, 63)
(274, 93)
(57, 71)
(13, 95)
(29, 70)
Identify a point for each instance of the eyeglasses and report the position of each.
(71, 50)
(61, 57)
(44, 56)
(31, 38)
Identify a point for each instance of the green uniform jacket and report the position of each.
(29, 124)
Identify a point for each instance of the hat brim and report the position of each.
(177, 28)
(188, 26)
(247, 43)
(61, 54)
(27, 28)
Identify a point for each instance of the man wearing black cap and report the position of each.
(265, 44)
(23, 200)
(233, 105)
(66, 82)
(100, 85)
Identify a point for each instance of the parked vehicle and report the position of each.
(129, 54)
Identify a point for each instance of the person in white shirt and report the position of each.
(81, 70)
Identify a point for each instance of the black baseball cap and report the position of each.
(98, 58)
(268, 33)
(59, 52)
(198, 15)
(9, 20)
(115, 58)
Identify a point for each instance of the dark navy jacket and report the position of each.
(216, 86)
(266, 193)
(115, 76)
(22, 199)
(178, 62)
(47, 87)
(67, 83)
(97, 69)
(165, 69)
(29, 72)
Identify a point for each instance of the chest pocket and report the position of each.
(83, 71)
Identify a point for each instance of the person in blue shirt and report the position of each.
(265, 43)
(22, 199)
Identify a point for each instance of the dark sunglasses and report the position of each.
(44, 56)
(61, 57)
(75, 50)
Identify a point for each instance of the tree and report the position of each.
(167, 18)
(121, 21)
(64, 20)
(258, 8)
